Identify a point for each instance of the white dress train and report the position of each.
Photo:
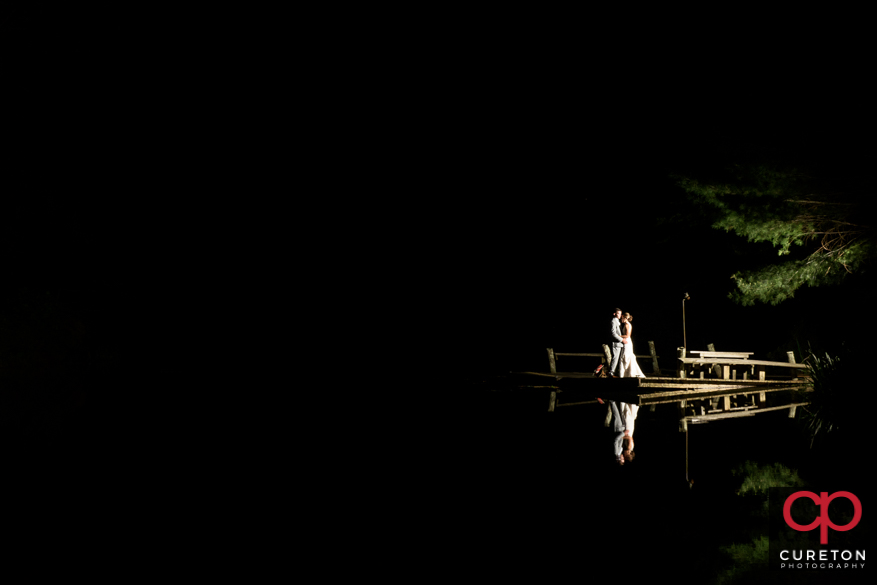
(629, 367)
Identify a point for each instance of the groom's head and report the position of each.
(627, 448)
(617, 313)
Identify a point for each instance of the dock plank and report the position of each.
(733, 362)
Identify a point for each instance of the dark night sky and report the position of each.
(528, 196)
(89, 228)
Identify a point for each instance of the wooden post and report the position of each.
(655, 368)
(761, 373)
(551, 362)
(726, 372)
(726, 403)
(792, 411)
(680, 369)
(683, 424)
(791, 357)
(715, 369)
(552, 400)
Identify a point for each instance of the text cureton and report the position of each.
(822, 555)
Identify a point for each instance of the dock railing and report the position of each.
(606, 358)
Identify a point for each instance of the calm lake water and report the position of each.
(530, 488)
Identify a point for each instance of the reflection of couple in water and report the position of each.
(623, 365)
(623, 417)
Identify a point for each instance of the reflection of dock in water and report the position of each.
(706, 388)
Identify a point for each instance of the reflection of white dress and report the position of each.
(628, 415)
(629, 367)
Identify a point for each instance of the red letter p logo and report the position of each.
(823, 521)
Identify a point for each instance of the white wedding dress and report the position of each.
(629, 367)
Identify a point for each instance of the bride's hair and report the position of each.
(628, 317)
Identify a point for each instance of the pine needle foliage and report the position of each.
(789, 211)
(758, 479)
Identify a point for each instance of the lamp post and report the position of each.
(684, 340)
(690, 482)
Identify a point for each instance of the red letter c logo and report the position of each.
(822, 501)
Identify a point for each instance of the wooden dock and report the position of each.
(716, 393)
(706, 388)
(697, 400)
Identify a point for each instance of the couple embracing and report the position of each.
(623, 361)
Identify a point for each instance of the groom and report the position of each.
(617, 344)
(619, 432)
